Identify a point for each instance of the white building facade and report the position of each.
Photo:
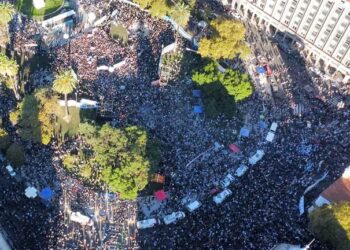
(320, 27)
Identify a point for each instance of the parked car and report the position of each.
(173, 217)
(193, 206)
(220, 197)
(241, 170)
(10, 170)
(227, 181)
(256, 157)
(143, 224)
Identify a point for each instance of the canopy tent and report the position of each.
(31, 192)
(262, 124)
(160, 195)
(260, 70)
(46, 194)
(270, 136)
(197, 109)
(196, 93)
(233, 147)
(273, 126)
(159, 178)
(244, 132)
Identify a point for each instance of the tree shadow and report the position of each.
(30, 223)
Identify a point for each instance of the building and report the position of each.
(338, 191)
(320, 28)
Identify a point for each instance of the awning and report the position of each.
(31, 192)
(160, 195)
(197, 109)
(158, 178)
(233, 147)
(244, 132)
(262, 124)
(46, 193)
(196, 93)
(260, 70)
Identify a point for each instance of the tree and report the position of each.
(6, 13)
(157, 8)
(15, 155)
(225, 41)
(331, 223)
(221, 89)
(64, 83)
(8, 73)
(181, 14)
(69, 161)
(37, 116)
(4, 140)
(122, 156)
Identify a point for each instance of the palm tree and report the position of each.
(6, 14)
(65, 82)
(181, 13)
(8, 72)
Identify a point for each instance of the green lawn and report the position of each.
(26, 7)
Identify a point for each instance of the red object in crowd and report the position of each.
(233, 147)
(268, 70)
(160, 195)
(214, 191)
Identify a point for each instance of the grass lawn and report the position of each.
(26, 7)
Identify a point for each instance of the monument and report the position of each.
(38, 4)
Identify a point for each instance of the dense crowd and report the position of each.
(263, 210)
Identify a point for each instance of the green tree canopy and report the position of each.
(225, 41)
(65, 82)
(157, 8)
(8, 74)
(37, 115)
(15, 155)
(221, 89)
(6, 13)
(331, 223)
(4, 140)
(122, 156)
(181, 13)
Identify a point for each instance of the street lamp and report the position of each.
(67, 36)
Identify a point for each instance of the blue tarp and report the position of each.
(196, 93)
(244, 132)
(262, 124)
(260, 70)
(197, 109)
(46, 193)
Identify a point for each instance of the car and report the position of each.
(256, 157)
(10, 170)
(173, 217)
(143, 224)
(241, 170)
(193, 206)
(220, 197)
(227, 181)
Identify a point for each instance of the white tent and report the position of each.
(273, 126)
(270, 136)
(31, 192)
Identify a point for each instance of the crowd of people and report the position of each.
(263, 209)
